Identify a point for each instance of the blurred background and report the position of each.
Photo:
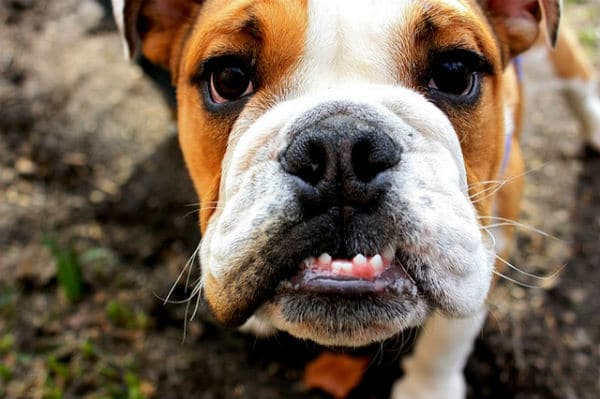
(98, 218)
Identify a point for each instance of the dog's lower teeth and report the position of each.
(389, 254)
(346, 267)
(325, 259)
(359, 260)
(377, 262)
(360, 266)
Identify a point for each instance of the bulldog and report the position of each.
(347, 155)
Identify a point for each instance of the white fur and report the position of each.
(348, 41)
(502, 238)
(435, 369)
(258, 328)
(118, 7)
(585, 102)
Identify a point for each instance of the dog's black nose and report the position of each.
(341, 158)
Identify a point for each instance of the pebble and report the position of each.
(25, 167)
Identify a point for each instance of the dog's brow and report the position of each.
(250, 24)
(253, 27)
(436, 20)
(426, 26)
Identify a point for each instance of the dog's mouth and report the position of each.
(361, 275)
(348, 301)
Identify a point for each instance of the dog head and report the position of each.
(335, 145)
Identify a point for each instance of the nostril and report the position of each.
(372, 155)
(312, 169)
(364, 166)
(306, 159)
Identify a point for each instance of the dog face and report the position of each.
(336, 146)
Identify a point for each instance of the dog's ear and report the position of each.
(153, 27)
(517, 22)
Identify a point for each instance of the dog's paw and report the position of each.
(413, 386)
(593, 123)
(593, 135)
(585, 102)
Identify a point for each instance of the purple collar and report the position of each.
(508, 136)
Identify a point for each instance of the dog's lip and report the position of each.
(393, 278)
(358, 276)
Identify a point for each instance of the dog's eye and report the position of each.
(452, 77)
(455, 76)
(230, 81)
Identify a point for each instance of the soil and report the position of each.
(89, 161)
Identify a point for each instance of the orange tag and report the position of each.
(336, 374)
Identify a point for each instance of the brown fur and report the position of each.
(203, 137)
(440, 27)
(568, 58)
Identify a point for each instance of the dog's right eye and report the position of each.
(230, 80)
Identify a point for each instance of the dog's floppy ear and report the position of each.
(153, 27)
(517, 22)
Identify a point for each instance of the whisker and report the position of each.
(490, 234)
(177, 301)
(198, 292)
(503, 182)
(187, 279)
(486, 182)
(512, 280)
(180, 301)
(509, 222)
(185, 322)
(549, 277)
(492, 186)
(493, 313)
(206, 208)
(190, 213)
(187, 265)
(476, 199)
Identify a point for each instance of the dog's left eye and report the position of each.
(452, 77)
(230, 81)
(455, 76)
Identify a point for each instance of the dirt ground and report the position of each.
(89, 163)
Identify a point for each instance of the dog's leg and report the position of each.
(571, 64)
(435, 369)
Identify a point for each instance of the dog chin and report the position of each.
(345, 322)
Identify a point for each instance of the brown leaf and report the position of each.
(336, 374)
(148, 389)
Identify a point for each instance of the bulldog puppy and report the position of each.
(347, 156)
